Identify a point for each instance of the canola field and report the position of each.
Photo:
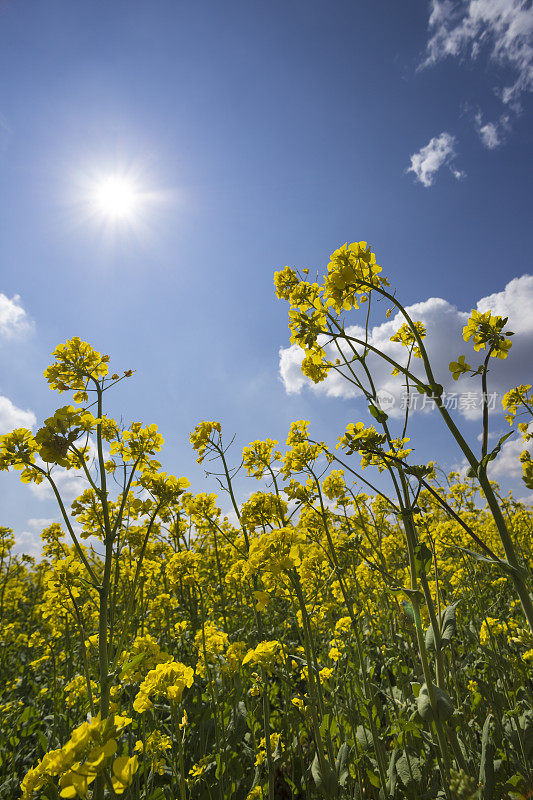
(360, 627)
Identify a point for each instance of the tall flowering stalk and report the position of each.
(75, 438)
(316, 321)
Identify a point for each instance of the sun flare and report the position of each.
(116, 198)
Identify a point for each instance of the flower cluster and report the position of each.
(257, 457)
(168, 679)
(200, 438)
(276, 551)
(90, 749)
(486, 330)
(76, 363)
(352, 273)
(405, 336)
(266, 655)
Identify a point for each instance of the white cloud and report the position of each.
(70, 484)
(515, 302)
(506, 467)
(439, 151)
(12, 417)
(492, 134)
(13, 322)
(507, 464)
(39, 524)
(28, 543)
(504, 27)
(13, 318)
(444, 324)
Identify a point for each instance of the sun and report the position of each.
(116, 198)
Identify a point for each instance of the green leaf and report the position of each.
(221, 766)
(364, 736)
(237, 722)
(373, 778)
(391, 772)
(326, 783)
(276, 755)
(42, 741)
(157, 794)
(525, 740)
(418, 470)
(444, 704)
(377, 413)
(133, 663)
(341, 765)
(415, 593)
(447, 626)
(324, 725)
(408, 770)
(486, 767)
(502, 563)
(492, 455)
(408, 608)
(423, 557)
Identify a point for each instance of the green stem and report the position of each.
(266, 728)
(179, 740)
(314, 693)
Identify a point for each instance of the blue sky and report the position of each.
(260, 134)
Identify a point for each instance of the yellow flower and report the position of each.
(459, 367)
(490, 626)
(258, 456)
(299, 703)
(201, 437)
(486, 329)
(169, 679)
(362, 439)
(266, 655)
(352, 274)
(75, 364)
(285, 282)
(262, 600)
(89, 749)
(197, 770)
(17, 449)
(333, 485)
(407, 338)
(274, 745)
(124, 768)
(325, 673)
(334, 653)
(276, 551)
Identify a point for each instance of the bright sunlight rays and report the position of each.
(116, 198)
